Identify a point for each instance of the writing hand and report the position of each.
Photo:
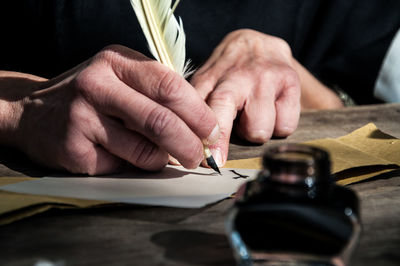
(118, 106)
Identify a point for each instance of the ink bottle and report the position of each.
(293, 213)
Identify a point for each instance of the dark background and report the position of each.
(342, 42)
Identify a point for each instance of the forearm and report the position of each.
(14, 87)
(314, 94)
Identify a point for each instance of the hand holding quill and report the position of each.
(166, 40)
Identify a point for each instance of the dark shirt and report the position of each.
(342, 42)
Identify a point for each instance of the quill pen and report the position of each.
(166, 40)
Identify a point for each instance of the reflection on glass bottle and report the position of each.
(293, 213)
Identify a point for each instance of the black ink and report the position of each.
(213, 164)
(294, 207)
(239, 175)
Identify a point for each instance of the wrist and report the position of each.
(314, 94)
(14, 89)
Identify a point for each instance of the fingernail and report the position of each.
(284, 131)
(218, 158)
(173, 161)
(213, 137)
(288, 130)
(204, 162)
(259, 136)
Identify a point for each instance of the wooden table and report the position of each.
(134, 235)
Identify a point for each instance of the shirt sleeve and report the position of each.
(387, 87)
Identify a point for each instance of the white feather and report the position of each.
(164, 34)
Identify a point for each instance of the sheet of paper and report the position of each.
(362, 154)
(366, 146)
(174, 186)
(368, 140)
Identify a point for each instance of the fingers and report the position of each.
(207, 77)
(167, 88)
(161, 106)
(257, 120)
(268, 104)
(84, 156)
(273, 107)
(287, 111)
(225, 101)
(102, 163)
(129, 145)
(159, 124)
(144, 112)
(203, 83)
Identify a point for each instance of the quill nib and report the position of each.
(210, 160)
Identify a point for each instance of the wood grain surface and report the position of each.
(136, 235)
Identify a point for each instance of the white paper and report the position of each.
(175, 186)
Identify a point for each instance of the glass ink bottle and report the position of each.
(293, 213)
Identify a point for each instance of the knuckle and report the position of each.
(282, 43)
(76, 114)
(75, 150)
(246, 31)
(109, 53)
(82, 118)
(199, 77)
(86, 83)
(242, 34)
(292, 78)
(169, 87)
(144, 154)
(79, 158)
(284, 77)
(233, 47)
(83, 80)
(91, 87)
(202, 114)
(283, 49)
(274, 74)
(158, 121)
(223, 96)
(224, 99)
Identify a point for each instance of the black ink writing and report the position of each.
(238, 175)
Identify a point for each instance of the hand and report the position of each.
(250, 75)
(118, 106)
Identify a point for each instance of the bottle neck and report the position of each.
(297, 165)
